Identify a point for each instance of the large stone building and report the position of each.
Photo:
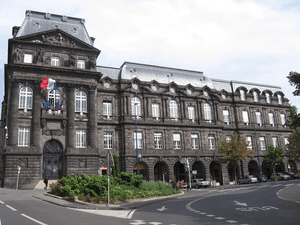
(177, 113)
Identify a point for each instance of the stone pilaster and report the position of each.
(71, 118)
(92, 117)
(13, 114)
(36, 133)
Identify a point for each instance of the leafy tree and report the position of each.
(235, 150)
(293, 147)
(274, 157)
(116, 168)
(294, 123)
(294, 80)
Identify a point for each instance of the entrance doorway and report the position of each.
(161, 172)
(179, 172)
(53, 155)
(216, 173)
(142, 170)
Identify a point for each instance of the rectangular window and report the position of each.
(27, 58)
(271, 119)
(279, 99)
(23, 136)
(107, 109)
(176, 141)
(262, 143)
(275, 142)
(191, 111)
(283, 120)
(249, 140)
(108, 140)
(195, 141)
(80, 138)
(138, 140)
(242, 95)
(245, 117)
(255, 96)
(228, 139)
(158, 140)
(81, 64)
(55, 61)
(268, 98)
(258, 118)
(286, 141)
(155, 110)
(226, 116)
(211, 142)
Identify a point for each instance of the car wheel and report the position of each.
(282, 178)
(205, 187)
(238, 182)
(249, 182)
(197, 186)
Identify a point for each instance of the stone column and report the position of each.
(12, 124)
(225, 174)
(71, 117)
(92, 117)
(36, 133)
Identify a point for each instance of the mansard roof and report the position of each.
(36, 22)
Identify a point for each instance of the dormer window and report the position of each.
(242, 95)
(81, 64)
(255, 96)
(279, 99)
(268, 98)
(27, 58)
(54, 61)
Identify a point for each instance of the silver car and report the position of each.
(281, 176)
(253, 179)
(197, 183)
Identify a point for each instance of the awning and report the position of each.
(104, 168)
(141, 167)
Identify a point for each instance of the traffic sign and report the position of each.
(19, 168)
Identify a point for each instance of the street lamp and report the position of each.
(136, 142)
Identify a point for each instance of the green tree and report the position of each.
(294, 80)
(293, 146)
(116, 168)
(294, 121)
(274, 157)
(235, 150)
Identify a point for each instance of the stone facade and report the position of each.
(177, 113)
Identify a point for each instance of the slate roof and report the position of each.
(35, 22)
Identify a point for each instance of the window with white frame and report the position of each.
(242, 95)
(228, 139)
(195, 141)
(158, 140)
(191, 111)
(173, 109)
(27, 58)
(25, 99)
(138, 140)
(80, 138)
(54, 61)
(108, 140)
(255, 96)
(176, 141)
(136, 106)
(155, 110)
(226, 116)
(80, 101)
(107, 108)
(54, 98)
(81, 64)
(258, 118)
(207, 112)
(275, 142)
(286, 141)
(249, 140)
(262, 143)
(271, 119)
(245, 117)
(23, 136)
(211, 142)
(279, 97)
(268, 98)
(283, 119)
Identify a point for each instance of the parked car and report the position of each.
(262, 178)
(197, 183)
(253, 179)
(244, 180)
(293, 175)
(281, 176)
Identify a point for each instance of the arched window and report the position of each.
(268, 98)
(80, 101)
(25, 99)
(207, 112)
(54, 98)
(173, 109)
(279, 99)
(135, 106)
(242, 95)
(255, 96)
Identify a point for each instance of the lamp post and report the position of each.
(136, 142)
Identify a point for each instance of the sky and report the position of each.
(245, 40)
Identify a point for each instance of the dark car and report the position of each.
(262, 178)
(244, 180)
(293, 175)
(197, 183)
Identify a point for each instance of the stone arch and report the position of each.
(293, 166)
(216, 172)
(279, 167)
(53, 159)
(253, 168)
(161, 171)
(143, 169)
(179, 172)
(200, 168)
(266, 169)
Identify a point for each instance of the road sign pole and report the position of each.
(19, 170)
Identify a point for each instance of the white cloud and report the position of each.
(228, 39)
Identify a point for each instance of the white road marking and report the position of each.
(126, 214)
(210, 215)
(239, 203)
(288, 185)
(162, 209)
(263, 186)
(231, 221)
(202, 213)
(28, 217)
(138, 222)
(2, 203)
(220, 218)
(276, 185)
(13, 209)
(155, 223)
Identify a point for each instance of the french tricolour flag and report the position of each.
(48, 83)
